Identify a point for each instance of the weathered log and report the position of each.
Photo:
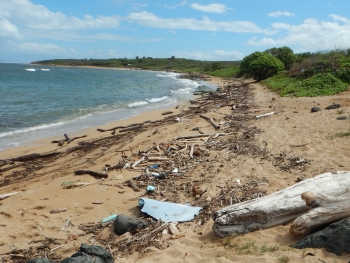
(93, 173)
(277, 208)
(216, 126)
(326, 209)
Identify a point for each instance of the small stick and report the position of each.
(55, 248)
(191, 152)
(131, 150)
(216, 126)
(133, 185)
(298, 145)
(93, 173)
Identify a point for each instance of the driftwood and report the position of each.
(277, 208)
(8, 195)
(93, 173)
(216, 126)
(131, 128)
(151, 159)
(265, 115)
(30, 157)
(67, 139)
(191, 136)
(137, 162)
(326, 209)
(133, 185)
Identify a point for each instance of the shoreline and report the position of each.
(44, 144)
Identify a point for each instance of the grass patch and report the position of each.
(317, 85)
(343, 134)
(265, 248)
(283, 259)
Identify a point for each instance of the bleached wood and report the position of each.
(326, 209)
(8, 195)
(138, 162)
(265, 115)
(277, 208)
(191, 151)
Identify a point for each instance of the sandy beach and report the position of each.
(27, 221)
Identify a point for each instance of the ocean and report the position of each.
(42, 101)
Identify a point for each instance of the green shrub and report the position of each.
(261, 65)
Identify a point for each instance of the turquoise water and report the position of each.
(41, 101)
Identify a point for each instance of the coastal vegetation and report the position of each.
(282, 71)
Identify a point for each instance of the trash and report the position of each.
(109, 218)
(119, 177)
(150, 188)
(159, 176)
(168, 212)
(125, 224)
(175, 170)
(154, 166)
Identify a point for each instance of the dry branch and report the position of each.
(216, 126)
(93, 173)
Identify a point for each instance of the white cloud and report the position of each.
(211, 55)
(7, 29)
(280, 13)
(176, 5)
(312, 34)
(38, 48)
(211, 8)
(150, 20)
(38, 17)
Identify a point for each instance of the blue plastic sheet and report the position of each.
(168, 212)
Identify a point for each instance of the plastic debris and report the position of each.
(109, 218)
(150, 188)
(175, 170)
(154, 166)
(168, 212)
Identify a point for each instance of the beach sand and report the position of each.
(26, 221)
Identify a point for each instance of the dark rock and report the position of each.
(333, 106)
(335, 238)
(90, 254)
(125, 224)
(343, 118)
(315, 109)
(41, 260)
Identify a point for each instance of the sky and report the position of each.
(213, 30)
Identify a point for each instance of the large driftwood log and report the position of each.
(326, 209)
(277, 208)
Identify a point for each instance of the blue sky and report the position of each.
(33, 30)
